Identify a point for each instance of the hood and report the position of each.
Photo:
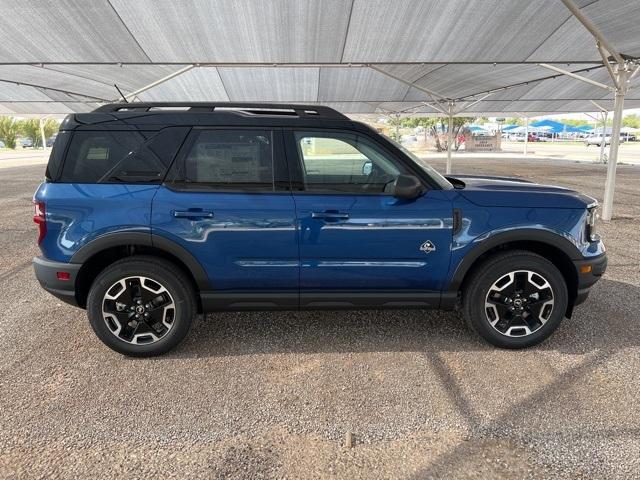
(490, 191)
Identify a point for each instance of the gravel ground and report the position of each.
(273, 395)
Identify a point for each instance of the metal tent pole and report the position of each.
(44, 140)
(449, 138)
(526, 135)
(621, 81)
(604, 135)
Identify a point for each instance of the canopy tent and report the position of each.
(359, 56)
(508, 128)
(435, 57)
(477, 129)
(530, 129)
(556, 127)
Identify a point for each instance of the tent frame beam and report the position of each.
(175, 74)
(620, 77)
(431, 93)
(595, 32)
(576, 76)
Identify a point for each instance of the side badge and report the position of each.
(427, 246)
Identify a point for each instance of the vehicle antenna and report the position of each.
(121, 94)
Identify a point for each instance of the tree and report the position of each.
(431, 124)
(395, 121)
(9, 129)
(457, 126)
(51, 126)
(631, 121)
(30, 128)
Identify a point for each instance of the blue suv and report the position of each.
(152, 213)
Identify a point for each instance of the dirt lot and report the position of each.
(273, 395)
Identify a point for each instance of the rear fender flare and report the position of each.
(118, 239)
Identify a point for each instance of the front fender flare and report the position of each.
(495, 240)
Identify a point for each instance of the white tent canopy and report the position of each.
(437, 57)
(359, 56)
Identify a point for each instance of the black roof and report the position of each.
(160, 114)
(206, 107)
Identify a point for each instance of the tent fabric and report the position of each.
(361, 56)
(556, 127)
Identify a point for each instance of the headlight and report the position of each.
(592, 215)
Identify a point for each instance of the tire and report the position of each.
(502, 317)
(167, 303)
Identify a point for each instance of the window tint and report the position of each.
(228, 160)
(121, 156)
(345, 163)
(57, 154)
(149, 163)
(92, 154)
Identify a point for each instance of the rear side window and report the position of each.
(57, 154)
(121, 156)
(92, 154)
(227, 160)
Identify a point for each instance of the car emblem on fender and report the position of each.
(427, 246)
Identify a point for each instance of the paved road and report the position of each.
(259, 395)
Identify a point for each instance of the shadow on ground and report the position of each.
(605, 321)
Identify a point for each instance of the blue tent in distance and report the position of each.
(556, 127)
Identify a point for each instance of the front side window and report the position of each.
(345, 163)
(228, 160)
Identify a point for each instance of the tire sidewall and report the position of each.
(174, 283)
(486, 277)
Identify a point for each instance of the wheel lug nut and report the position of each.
(146, 314)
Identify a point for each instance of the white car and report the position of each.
(597, 140)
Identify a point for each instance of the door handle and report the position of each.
(192, 214)
(329, 215)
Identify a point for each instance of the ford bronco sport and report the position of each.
(152, 213)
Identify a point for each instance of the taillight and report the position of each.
(39, 219)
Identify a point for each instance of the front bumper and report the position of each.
(586, 279)
(47, 274)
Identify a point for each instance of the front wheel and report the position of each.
(141, 306)
(515, 299)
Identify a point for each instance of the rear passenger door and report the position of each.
(227, 201)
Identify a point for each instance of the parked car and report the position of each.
(51, 140)
(597, 140)
(26, 143)
(519, 137)
(2, 145)
(263, 207)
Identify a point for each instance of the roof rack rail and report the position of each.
(271, 109)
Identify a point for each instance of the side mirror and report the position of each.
(367, 168)
(407, 187)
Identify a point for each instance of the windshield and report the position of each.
(433, 173)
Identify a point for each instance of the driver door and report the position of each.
(359, 245)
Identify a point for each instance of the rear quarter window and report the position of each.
(57, 155)
(121, 156)
(92, 154)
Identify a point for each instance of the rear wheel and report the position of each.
(141, 306)
(515, 299)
